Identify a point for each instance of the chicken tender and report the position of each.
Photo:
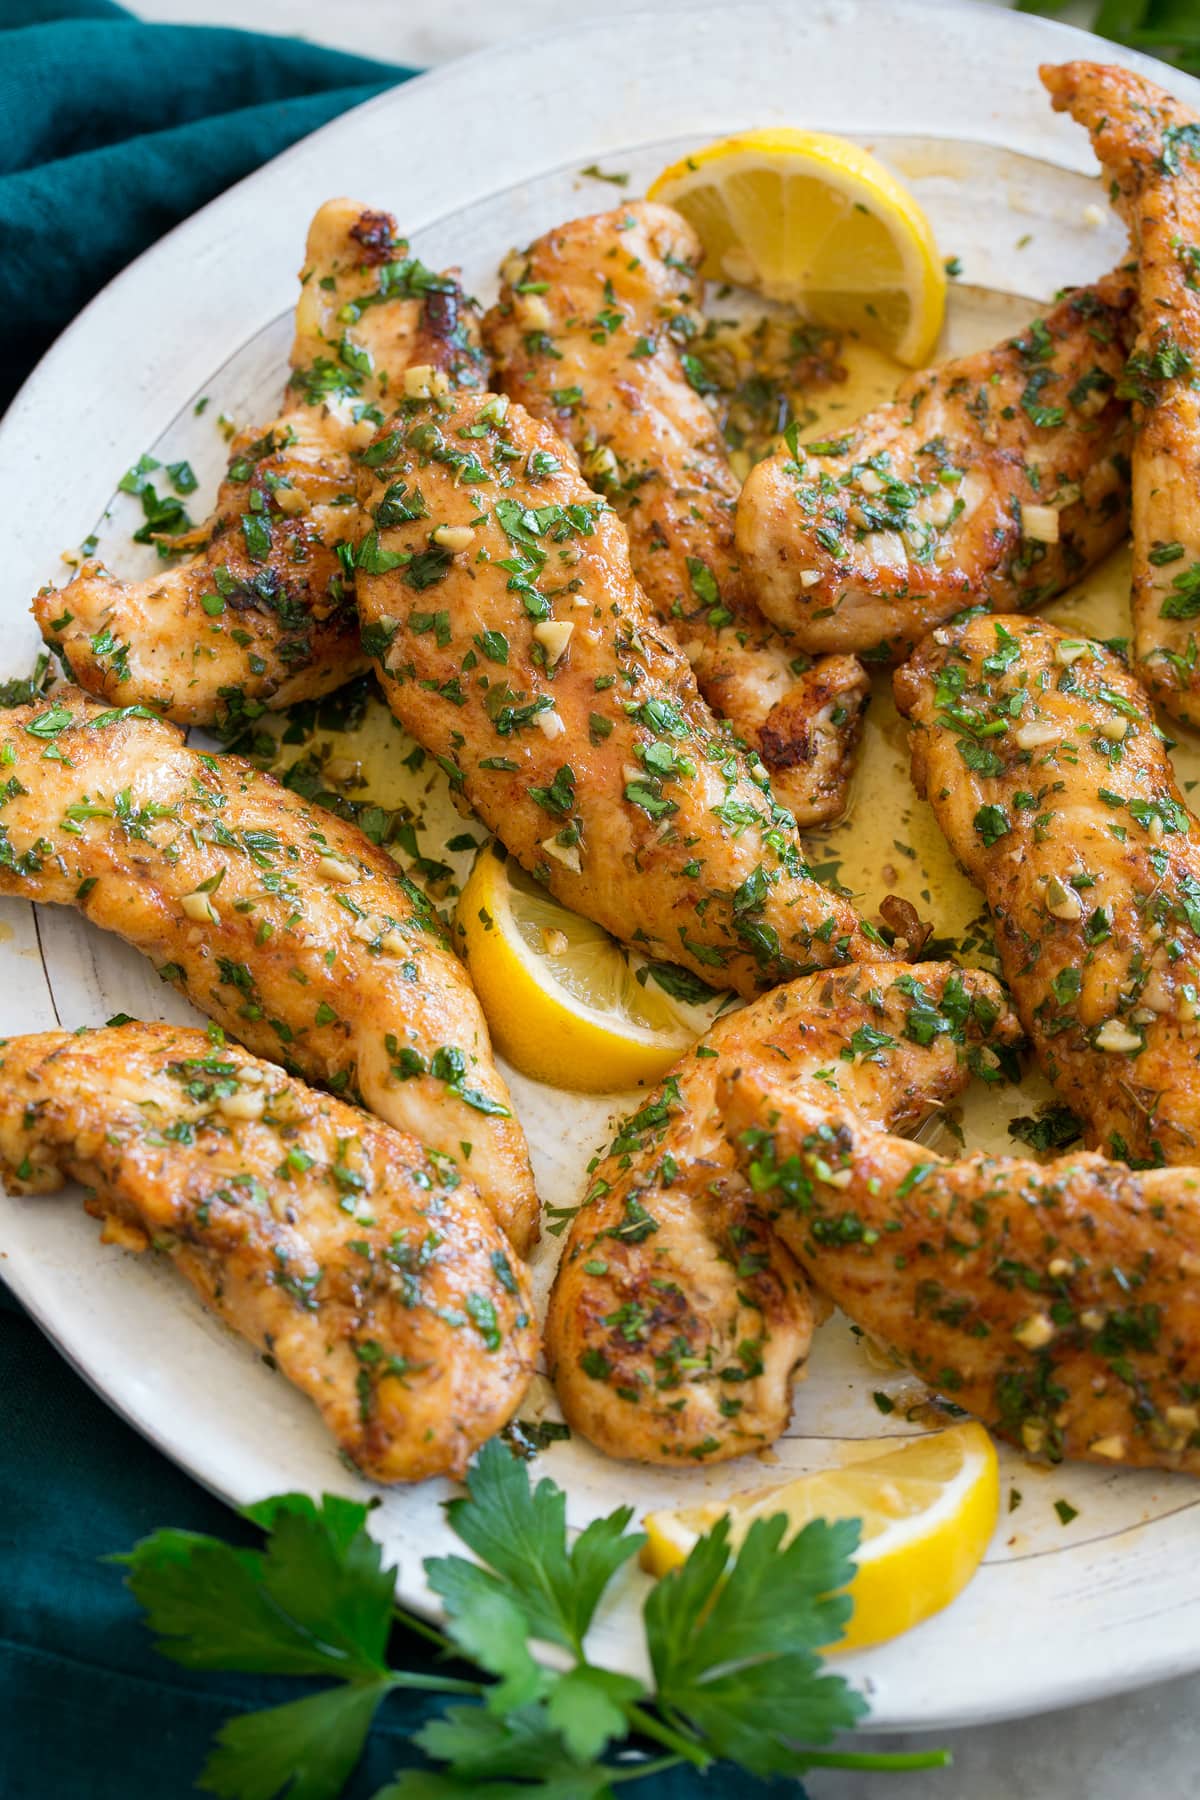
(379, 1286)
(283, 923)
(590, 334)
(262, 615)
(998, 478)
(1045, 770)
(512, 641)
(1149, 146)
(678, 1321)
(1060, 1302)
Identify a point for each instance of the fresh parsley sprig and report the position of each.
(733, 1644)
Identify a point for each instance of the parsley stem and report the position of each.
(434, 1684)
(430, 1633)
(650, 1727)
(880, 1759)
(657, 1765)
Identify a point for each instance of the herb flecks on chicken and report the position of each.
(678, 1318)
(371, 1274)
(1045, 770)
(280, 921)
(262, 614)
(999, 477)
(1057, 1301)
(1149, 146)
(595, 332)
(513, 642)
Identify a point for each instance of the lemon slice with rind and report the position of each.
(565, 1003)
(818, 222)
(928, 1510)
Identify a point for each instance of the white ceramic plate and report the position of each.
(476, 157)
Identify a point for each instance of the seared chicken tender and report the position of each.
(379, 1287)
(369, 308)
(512, 640)
(998, 478)
(590, 334)
(1047, 774)
(261, 617)
(283, 923)
(263, 614)
(1058, 1301)
(678, 1320)
(1149, 146)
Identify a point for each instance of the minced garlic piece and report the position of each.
(1116, 1038)
(200, 908)
(1035, 1332)
(553, 635)
(337, 868)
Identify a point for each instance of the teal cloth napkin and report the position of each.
(112, 131)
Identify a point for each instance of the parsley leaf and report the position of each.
(735, 1652)
(1053, 1127)
(373, 559)
(587, 1706)
(521, 1533)
(488, 1751)
(316, 1601)
(311, 1744)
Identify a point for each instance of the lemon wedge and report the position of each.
(817, 222)
(927, 1509)
(565, 1003)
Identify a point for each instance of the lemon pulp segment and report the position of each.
(818, 222)
(565, 1003)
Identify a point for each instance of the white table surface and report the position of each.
(1144, 1746)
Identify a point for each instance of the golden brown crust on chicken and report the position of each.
(1149, 146)
(279, 920)
(263, 615)
(589, 334)
(995, 479)
(368, 307)
(512, 641)
(1059, 1301)
(1039, 756)
(380, 1288)
(677, 1322)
